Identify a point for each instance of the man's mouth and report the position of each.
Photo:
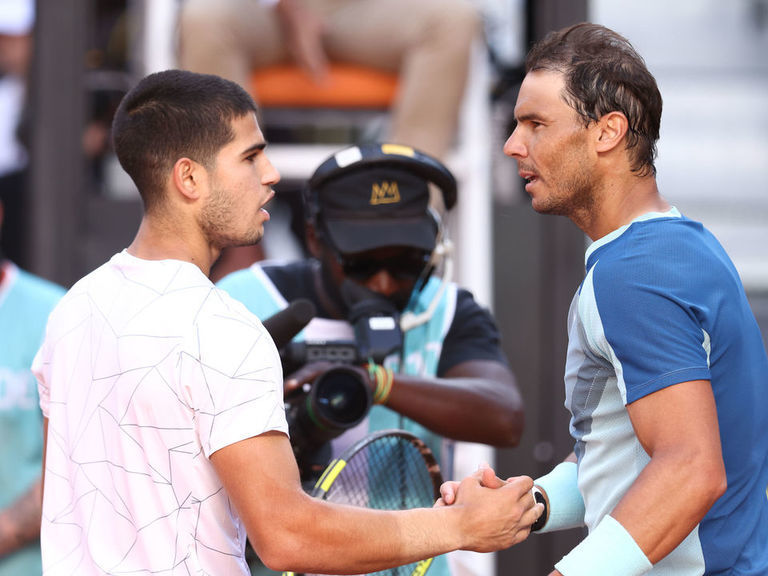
(266, 203)
(528, 176)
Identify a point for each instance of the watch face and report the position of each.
(539, 499)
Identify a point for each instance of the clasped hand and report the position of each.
(500, 512)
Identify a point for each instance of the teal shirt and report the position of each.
(422, 346)
(25, 302)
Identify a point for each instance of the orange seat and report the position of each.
(347, 86)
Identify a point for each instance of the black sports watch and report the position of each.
(538, 496)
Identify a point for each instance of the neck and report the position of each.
(619, 203)
(154, 241)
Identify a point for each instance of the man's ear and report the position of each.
(611, 129)
(188, 178)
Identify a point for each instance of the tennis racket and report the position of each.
(386, 470)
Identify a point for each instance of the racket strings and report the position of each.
(389, 474)
(391, 471)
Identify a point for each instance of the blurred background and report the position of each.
(708, 56)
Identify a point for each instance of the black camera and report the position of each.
(340, 397)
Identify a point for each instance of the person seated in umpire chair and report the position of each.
(379, 251)
(426, 45)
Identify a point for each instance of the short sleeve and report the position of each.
(473, 335)
(651, 326)
(232, 375)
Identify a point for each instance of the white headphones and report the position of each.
(441, 255)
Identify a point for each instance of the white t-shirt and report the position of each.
(146, 370)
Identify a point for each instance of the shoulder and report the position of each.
(39, 289)
(222, 307)
(658, 256)
(473, 334)
(281, 274)
(292, 279)
(238, 278)
(28, 300)
(470, 310)
(652, 285)
(26, 307)
(224, 333)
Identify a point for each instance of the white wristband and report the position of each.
(566, 504)
(609, 550)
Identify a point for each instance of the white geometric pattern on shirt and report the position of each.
(151, 369)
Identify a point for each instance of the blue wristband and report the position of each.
(566, 504)
(609, 550)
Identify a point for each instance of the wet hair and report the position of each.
(170, 115)
(604, 73)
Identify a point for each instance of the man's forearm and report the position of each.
(666, 502)
(483, 407)
(20, 522)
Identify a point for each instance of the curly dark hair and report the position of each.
(604, 73)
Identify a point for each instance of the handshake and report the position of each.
(498, 513)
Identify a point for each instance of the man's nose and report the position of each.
(514, 147)
(270, 175)
(382, 283)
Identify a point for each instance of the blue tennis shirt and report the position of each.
(663, 304)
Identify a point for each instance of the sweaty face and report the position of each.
(552, 147)
(240, 185)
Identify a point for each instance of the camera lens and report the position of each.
(341, 398)
(337, 400)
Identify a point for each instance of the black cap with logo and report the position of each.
(377, 195)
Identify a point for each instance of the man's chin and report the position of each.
(250, 241)
(539, 207)
(548, 208)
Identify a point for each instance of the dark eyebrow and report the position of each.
(255, 148)
(530, 116)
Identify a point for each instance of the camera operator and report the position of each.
(374, 238)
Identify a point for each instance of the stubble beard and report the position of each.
(572, 192)
(572, 199)
(216, 223)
